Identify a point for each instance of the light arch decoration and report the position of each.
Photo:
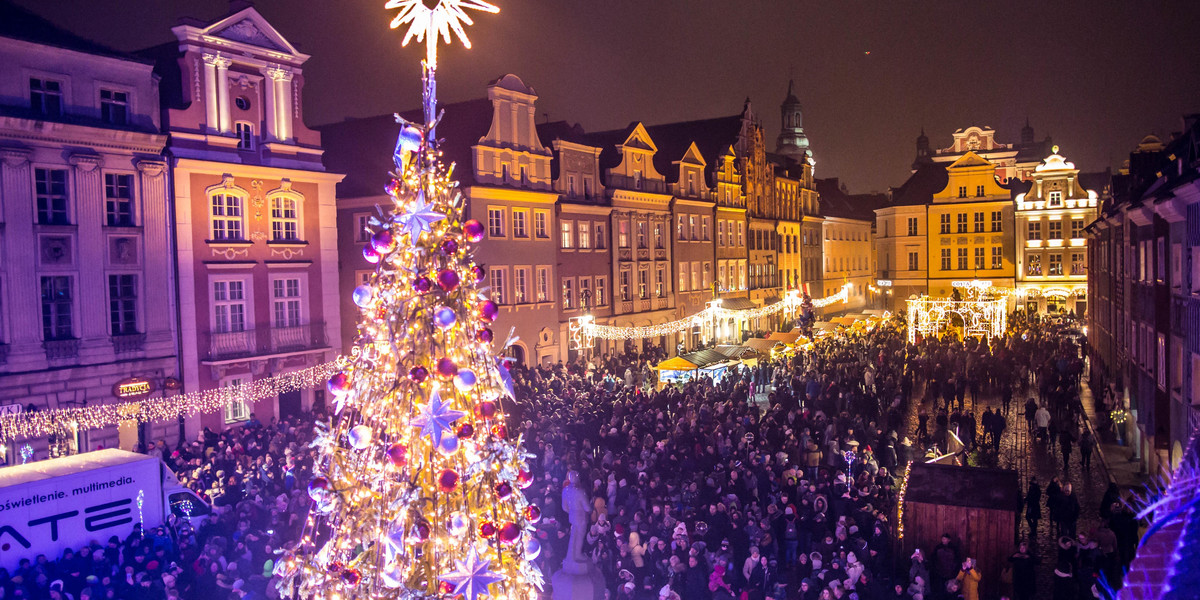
(983, 314)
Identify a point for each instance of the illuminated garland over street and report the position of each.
(25, 425)
(586, 329)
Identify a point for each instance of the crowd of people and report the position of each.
(778, 481)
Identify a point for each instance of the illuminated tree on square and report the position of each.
(416, 493)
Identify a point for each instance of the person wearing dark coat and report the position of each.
(1024, 578)
(1033, 506)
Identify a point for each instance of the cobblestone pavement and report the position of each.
(1019, 451)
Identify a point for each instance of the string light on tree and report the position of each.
(416, 493)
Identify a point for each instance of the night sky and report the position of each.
(1096, 75)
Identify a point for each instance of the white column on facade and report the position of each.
(212, 114)
(91, 288)
(19, 257)
(282, 81)
(271, 102)
(224, 122)
(157, 280)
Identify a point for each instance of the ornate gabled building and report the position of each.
(1012, 161)
(254, 213)
(1051, 244)
(970, 228)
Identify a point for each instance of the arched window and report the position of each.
(227, 204)
(285, 219)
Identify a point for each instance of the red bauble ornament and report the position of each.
(420, 533)
(447, 279)
(503, 490)
(488, 311)
(500, 430)
(465, 431)
(532, 513)
(447, 480)
(446, 368)
(484, 335)
(478, 272)
(392, 187)
(524, 478)
(487, 529)
(422, 284)
(339, 383)
(446, 587)
(473, 230)
(449, 246)
(334, 567)
(418, 373)
(485, 409)
(509, 532)
(397, 454)
(351, 577)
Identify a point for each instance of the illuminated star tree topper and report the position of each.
(426, 24)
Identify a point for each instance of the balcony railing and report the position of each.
(266, 340)
(128, 343)
(61, 349)
(232, 344)
(289, 339)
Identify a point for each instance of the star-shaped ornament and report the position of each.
(418, 218)
(436, 418)
(472, 576)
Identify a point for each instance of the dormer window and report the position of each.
(1055, 198)
(637, 180)
(45, 96)
(245, 135)
(114, 107)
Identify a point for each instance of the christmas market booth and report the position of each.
(693, 365)
(977, 507)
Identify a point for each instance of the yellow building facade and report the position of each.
(970, 225)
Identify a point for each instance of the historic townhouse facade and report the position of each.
(850, 247)
(902, 238)
(1013, 161)
(1144, 327)
(254, 214)
(970, 228)
(86, 280)
(1052, 257)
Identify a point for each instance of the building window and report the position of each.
(979, 222)
(1056, 266)
(623, 233)
(541, 228)
(962, 222)
(565, 236)
(1033, 264)
(51, 196)
(585, 235)
(962, 191)
(362, 221)
(571, 185)
(643, 284)
(1055, 198)
(496, 282)
(245, 135)
(945, 259)
(704, 233)
(962, 259)
(997, 257)
(285, 219)
(229, 306)
(997, 221)
(285, 298)
(520, 223)
(696, 282)
(1056, 230)
(683, 277)
(114, 107)
(641, 234)
(520, 285)
(601, 291)
(912, 226)
(659, 240)
(56, 308)
(625, 291)
(1078, 266)
(979, 191)
(944, 223)
(585, 292)
(741, 275)
(1076, 229)
(1035, 230)
(543, 284)
(118, 199)
(236, 410)
(721, 233)
(226, 216)
(122, 304)
(45, 97)
(913, 261)
(495, 222)
(979, 258)
(741, 234)
(601, 239)
(706, 275)
(681, 229)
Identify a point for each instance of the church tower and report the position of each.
(792, 142)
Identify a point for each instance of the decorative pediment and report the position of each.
(247, 32)
(970, 159)
(693, 157)
(245, 27)
(640, 138)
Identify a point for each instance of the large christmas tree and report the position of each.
(417, 489)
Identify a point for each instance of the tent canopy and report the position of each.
(675, 364)
(761, 344)
(788, 338)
